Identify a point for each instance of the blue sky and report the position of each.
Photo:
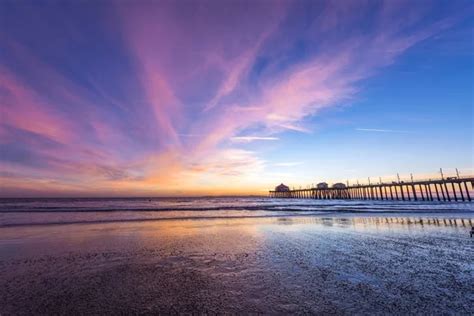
(207, 97)
(415, 116)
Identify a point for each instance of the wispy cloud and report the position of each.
(288, 164)
(247, 139)
(190, 135)
(374, 130)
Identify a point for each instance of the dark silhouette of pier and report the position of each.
(451, 189)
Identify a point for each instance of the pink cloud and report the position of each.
(22, 108)
(327, 79)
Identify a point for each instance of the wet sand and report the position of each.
(362, 265)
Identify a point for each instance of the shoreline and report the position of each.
(459, 216)
(316, 265)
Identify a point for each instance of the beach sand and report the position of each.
(372, 265)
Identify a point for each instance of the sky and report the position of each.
(173, 98)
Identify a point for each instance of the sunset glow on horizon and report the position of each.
(173, 98)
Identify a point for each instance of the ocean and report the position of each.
(44, 211)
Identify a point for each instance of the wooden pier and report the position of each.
(452, 189)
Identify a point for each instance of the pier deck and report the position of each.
(451, 189)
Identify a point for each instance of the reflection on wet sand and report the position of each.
(377, 221)
(281, 265)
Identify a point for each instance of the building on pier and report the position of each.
(322, 185)
(339, 186)
(282, 188)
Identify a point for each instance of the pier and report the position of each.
(451, 189)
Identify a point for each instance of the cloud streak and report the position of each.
(288, 164)
(374, 130)
(247, 139)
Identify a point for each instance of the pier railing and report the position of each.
(451, 189)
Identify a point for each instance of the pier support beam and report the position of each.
(460, 190)
(454, 192)
(467, 191)
(447, 192)
(442, 191)
(429, 191)
(437, 193)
